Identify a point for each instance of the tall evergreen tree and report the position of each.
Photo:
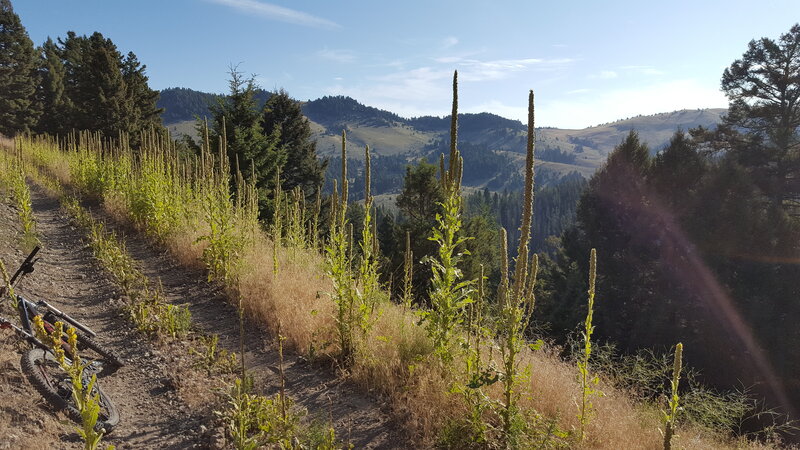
(419, 203)
(612, 219)
(677, 171)
(255, 154)
(761, 127)
(94, 84)
(104, 91)
(282, 115)
(50, 92)
(19, 111)
(143, 112)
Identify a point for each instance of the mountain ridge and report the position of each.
(388, 134)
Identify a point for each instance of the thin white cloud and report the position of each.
(448, 59)
(578, 91)
(410, 93)
(477, 70)
(604, 75)
(449, 41)
(587, 110)
(644, 70)
(340, 56)
(279, 13)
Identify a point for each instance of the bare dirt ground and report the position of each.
(164, 403)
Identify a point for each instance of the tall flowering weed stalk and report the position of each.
(339, 264)
(674, 399)
(516, 299)
(13, 178)
(588, 382)
(369, 287)
(450, 293)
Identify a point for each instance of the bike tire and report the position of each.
(55, 385)
(112, 361)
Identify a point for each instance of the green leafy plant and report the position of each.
(449, 294)
(208, 356)
(368, 268)
(253, 421)
(339, 257)
(516, 299)
(87, 401)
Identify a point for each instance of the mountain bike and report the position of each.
(39, 362)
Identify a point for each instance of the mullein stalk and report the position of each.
(669, 419)
(315, 219)
(339, 259)
(583, 363)
(368, 270)
(408, 273)
(449, 294)
(516, 297)
(277, 225)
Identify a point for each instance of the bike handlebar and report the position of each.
(27, 266)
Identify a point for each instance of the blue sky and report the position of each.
(588, 62)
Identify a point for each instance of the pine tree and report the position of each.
(419, 204)
(283, 115)
(104, 91)
(254, 153)
(761, 127)
(94, 84)
(50, 93)
(611, 218)
(676, 172)
(19, 111)
(144, 113)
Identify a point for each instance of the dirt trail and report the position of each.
(151, 413)
(357, 418)
(156, 408)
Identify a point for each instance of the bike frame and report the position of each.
(27, 309)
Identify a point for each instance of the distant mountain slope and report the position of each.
(559, 150)
(183, 104)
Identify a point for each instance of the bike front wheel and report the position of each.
(55, 385)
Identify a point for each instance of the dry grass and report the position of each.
(395, 360)
(296, 298)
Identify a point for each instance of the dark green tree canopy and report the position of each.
(761, 128)
(50, 92)
(87, 84)
(419, 203)
(282, 115)
(19, 110)
(258, 156)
